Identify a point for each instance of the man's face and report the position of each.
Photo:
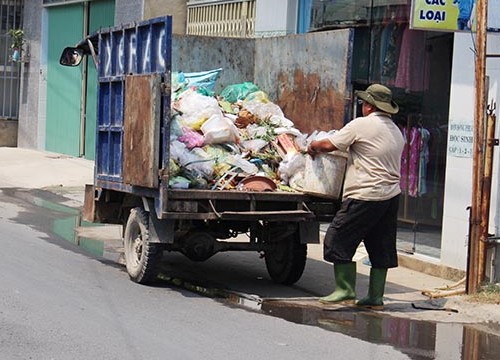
(365, 108)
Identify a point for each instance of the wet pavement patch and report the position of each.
(233, 298)
(417, 339)
(42, 210)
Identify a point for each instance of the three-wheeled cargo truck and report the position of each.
(131, 184)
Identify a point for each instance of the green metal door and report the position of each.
(64, 84)
(102, 14)
(64, 127)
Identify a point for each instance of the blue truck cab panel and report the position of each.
(127, 55)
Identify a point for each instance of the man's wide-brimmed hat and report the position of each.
(379, 96)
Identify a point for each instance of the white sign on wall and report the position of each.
(460, 139)
(493, 23)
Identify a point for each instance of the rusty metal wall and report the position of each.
(308, 75)
(199, 53)
(141, 130)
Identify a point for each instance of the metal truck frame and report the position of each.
(132, 170)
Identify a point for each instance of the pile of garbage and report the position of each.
(238, 140)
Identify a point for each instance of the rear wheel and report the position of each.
(142, 257)
(286, 259)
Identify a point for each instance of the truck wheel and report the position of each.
(286, 260)
(141, 257)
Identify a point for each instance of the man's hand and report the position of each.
(311, 149)
(320, 146)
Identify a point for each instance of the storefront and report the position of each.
(416, 65)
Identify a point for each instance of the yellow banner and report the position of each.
(440, 15)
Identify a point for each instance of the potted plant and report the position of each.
(17, 42)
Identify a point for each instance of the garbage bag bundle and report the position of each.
(241, 133)
(191, 138)
(195, 162)
(233, 93)
(196, 108)
(202, 81)
(219, 129)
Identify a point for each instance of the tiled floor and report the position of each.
(424, 240)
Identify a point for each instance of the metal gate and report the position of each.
(221, 18)
(10, 70)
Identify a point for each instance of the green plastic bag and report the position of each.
(233, 93)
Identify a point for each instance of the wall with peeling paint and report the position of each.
(308, 75)
(199, 53)
(458, 182)
(128, 11)
(175, 8)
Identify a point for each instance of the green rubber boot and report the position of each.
(345, 285)
(375, 298)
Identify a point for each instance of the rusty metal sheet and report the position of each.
(309, 77)
(310, 105)
(88, 213)
(141, 130)
(196, 194)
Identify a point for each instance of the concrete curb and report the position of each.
(430, 266)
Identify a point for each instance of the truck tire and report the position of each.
(142, 258)
(286, 260)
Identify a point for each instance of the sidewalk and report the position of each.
(67, 176)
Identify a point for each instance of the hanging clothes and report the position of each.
(425, 136)
(413, 63)
(410, 161)
(392, 37)
(414, 161)
(376, 40)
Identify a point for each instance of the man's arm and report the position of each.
(320, 146)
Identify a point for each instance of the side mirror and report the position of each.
(71, 56)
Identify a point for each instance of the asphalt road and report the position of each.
(59, 302)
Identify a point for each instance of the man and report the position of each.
(370, 197)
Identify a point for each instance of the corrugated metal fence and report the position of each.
(228, 18)
(10, 18)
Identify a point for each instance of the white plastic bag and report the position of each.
(281, 121)
(263, 110)
(292, 164)
(254, 145)
(256, 131)
(219, 130)
(283, 130)
(245, 165)
(201, 163)
(196, 160)
(197, 108)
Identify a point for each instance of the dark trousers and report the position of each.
(373, 222)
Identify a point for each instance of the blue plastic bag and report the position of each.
(203, 81)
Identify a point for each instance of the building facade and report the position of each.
(12, 56)
(431, 74)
